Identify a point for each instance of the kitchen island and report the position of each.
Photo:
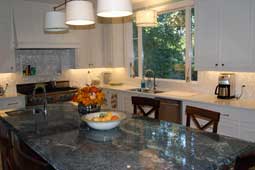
(66, 143)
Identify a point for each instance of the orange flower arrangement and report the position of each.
(89, 95)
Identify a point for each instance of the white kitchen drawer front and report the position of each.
(247, 131)
(127, 103)
(228, 127)
(12, 103)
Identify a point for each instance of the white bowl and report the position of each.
(103, 125)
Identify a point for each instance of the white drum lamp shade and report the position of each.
(114, 8)
(80, 13)
(55, 22)
(146, 18)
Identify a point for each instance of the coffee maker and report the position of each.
(226, 86)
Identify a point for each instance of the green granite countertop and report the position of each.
(66, 143)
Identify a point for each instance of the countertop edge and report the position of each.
(199, 98)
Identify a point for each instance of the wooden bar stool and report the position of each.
(194, 113)
(141, 102)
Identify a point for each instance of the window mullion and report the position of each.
(188, 49)
(140, 51)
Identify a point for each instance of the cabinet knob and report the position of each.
(222, 65)
(216, 65)
(12, 67)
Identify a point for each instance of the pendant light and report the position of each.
(114, 8)
(55, 22)
(146, 18)
(79, 12)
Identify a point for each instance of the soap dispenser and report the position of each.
(142, 83)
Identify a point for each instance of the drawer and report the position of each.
(247, 131)
(12, 103)
(229, 128)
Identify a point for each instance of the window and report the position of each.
(164, 47)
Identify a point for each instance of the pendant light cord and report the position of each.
(60, 5)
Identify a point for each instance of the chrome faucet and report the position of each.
(154, 77)
(44, 110)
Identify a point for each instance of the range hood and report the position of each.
(28, 31)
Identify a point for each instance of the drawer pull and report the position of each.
(225, 115)
(9, 104)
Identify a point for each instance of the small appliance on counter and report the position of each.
(226, 86)
(107, 77)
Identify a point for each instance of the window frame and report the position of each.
(188, 50)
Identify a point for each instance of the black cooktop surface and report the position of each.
(27, 89)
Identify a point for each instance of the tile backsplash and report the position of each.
(207, 80)
(47, 62)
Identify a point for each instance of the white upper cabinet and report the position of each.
(91, 52)
(206, 34)
(7, 53)
(235, 31)
(223, 35)
(96, 48)
(114, 54)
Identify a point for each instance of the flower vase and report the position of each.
(82, 109)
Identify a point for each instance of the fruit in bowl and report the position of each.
(103, 120)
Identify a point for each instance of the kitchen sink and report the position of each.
(146, 90)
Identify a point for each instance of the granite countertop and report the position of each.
(68, 144)
(192, 97)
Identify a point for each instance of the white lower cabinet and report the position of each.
(127, 102)
(111, 99)
(247, 125)
(12, 102)
(228, 127)
(234, 122)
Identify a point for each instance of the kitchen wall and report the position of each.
(77, 77)
(80, 77)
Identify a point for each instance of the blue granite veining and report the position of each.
(68, 144)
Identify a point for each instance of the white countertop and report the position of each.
(10, 95)
(192, 97)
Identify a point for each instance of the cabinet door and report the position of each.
(253, 31)
(118, 45)
(127, 103)
(235, 39)
(7, 54)
(206, 50)
(96, 46)
(114, 45)
(247, 125)
(107, 46)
